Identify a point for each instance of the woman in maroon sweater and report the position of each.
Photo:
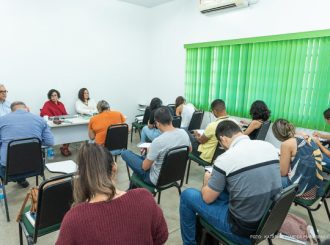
(102, 214)
(53, 107)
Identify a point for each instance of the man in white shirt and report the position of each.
(4, 104)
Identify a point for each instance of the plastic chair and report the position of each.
(54, 200)
(24, 160)
(177, 121)
(192, 157)
(172, 170)
(117, 139)
(139, 125)
(309, 205)
(269, 225)
(196, 120)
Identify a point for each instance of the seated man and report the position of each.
(148, 168)
(317, 136)
(204, 145)
(20, 124)
(236, 195)
(98, 125)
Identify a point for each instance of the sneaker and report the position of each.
(23, 183)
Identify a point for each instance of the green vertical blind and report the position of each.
(291, 73)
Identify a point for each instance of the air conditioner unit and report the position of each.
(207, 6)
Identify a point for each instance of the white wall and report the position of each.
(69, 44)
(180, 22)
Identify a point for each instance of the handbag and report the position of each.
(33, 196)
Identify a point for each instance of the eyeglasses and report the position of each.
(3, 91)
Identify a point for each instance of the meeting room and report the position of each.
(164, 122)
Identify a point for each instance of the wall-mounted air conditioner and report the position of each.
(207, 6)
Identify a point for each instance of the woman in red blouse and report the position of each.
(53, 107)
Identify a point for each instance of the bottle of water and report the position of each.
(50, 153)
(1, 193)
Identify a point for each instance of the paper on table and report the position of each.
(31, 218)
(208, 168)
(144, 145)
(67, 167)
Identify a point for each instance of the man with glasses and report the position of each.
(4, 104)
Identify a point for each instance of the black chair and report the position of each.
(24, 160)
(269, 225)
(117, 139)
(262, 131)
(172, 171)
(310, 206)
(172, 109)
(177, 121)
(139, 125)
(196, 120)
(54, 200)
(192, 157)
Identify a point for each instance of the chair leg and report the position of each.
(270, 242)
(326, 208)
(159, 197)
(37, 181)
(129, 175)
(20, 234)
(179, 190)
(115, 158)
(187, 177)
(132, 133)
(6, 204)
(314, 226)
(203, 240)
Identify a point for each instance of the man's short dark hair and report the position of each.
(163, 115)
(326, 114)
(16, 103)
(218, 105)
(227, 128)
(50, 92)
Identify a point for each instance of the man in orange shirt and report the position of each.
(98, 125)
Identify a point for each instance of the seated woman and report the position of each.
(318, 135)
(151, 131)
(185, 110)
(84, 104)
(300, 160)
(102, 214)
(98, 125)
(53, 107)
(259, 113)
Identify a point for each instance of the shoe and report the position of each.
(65, 151)
(23, 183)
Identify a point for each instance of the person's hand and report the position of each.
(207, 176)
(316, 139)
(196, 134)
(316, 134)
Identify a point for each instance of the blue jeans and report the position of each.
(150, 133)
(135, 161)
(216, 214)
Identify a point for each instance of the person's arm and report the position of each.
(146, 164)
(285, 158)
(178, 110)
(322, 147)
(91, 133)
(81, 108)
(209, 195)
(45, 110)
(252, 126)
(47, 137)
(323, 136)
(200, 138)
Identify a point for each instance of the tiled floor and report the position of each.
(169, 204)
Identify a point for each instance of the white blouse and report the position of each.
(88, 108)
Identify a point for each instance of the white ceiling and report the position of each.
(147, 3)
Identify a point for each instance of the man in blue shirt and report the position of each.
(20, 124)
(4, 104)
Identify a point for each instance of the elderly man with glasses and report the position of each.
(4, 104)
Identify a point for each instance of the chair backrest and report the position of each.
(146, 116)
(177, 121)
(117, 137)
(55, 197)
(262, 131)
(196, 120)
(173, 166)
(172, 108)
(218, 151)
(24, 157)
(275, 216)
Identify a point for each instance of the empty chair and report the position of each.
(138, 125)
(24, 159)
(196, 120)
(172, 170)
(269, 225)
(54, 200)
(176, 122)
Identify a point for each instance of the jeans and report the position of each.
(19, 179)
(116, 152)
(135, 161)
(285, 181)
(216, 214)
(150, 133)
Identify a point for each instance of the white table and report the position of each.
(65, 167)
(71, 130)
